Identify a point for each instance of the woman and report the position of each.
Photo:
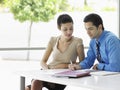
(65, 48)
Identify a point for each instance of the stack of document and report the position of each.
(83, 72)
(72, 73)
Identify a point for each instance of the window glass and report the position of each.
(14, 34)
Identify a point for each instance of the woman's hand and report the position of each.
(44, 65)
(74, 66)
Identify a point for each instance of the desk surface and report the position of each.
(109, 82)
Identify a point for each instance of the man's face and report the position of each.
(92, 30)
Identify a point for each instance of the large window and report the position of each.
(14, 34)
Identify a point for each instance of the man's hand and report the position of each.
(95, 67)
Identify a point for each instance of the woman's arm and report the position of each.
(59, 66)
(80, 52)
(45, 58)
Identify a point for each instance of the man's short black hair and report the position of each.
(95, 19)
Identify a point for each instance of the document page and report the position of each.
(72, 73)
(103, 73)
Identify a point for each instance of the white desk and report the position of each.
(110, 82)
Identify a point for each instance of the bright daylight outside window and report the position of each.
(14, 34)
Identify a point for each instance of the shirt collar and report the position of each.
(102, 36)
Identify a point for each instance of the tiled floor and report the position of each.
(10, 81)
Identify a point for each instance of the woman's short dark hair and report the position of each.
(95, 19)
(64, 18)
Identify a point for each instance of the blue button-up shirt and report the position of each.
(109, 50)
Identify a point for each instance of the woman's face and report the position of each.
(66, 30)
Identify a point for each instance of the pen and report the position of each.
(72, 66)
(71, 62)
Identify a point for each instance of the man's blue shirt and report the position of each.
(109, 50)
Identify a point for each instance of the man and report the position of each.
(106, 51)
